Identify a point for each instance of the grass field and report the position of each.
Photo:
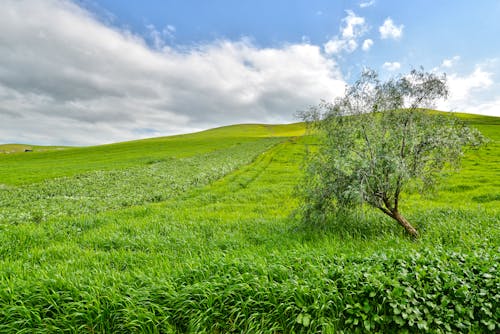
(196, 233)
(51, 162)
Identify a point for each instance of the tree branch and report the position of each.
(387, 204)
(387, 212)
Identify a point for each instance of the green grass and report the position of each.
(43, 164)
(18, 148)
(14, 148)
(97, 191)
(227, 255)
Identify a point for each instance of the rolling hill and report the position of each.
(51, 162)
(198, 233)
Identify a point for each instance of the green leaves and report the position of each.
(304, 319)
(100, 191)
(227, 258)
(378, 140)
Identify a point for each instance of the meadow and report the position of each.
(199, 233)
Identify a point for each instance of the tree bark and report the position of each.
(403, 222)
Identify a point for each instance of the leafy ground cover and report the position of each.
(98, 191)
(52, 162)
(229, 256)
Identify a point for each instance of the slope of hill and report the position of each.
(46, 163)
(18, 148)
(227, 254)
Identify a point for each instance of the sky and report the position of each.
(86, 72)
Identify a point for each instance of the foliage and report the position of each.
(55, 162)
(227, 257)
(98, 191)
(376, 141)
(428, 291)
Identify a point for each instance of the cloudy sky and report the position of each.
(87, 72)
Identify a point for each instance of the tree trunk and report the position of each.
(403, 222)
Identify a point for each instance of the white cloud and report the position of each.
(351, 45)
(448, 63)
(335, 46)
(473, 93)
(491, 107)
(367, 4)
(462, 87)
(160, 37)
(391, 66)
(353, 27)
(367, 44)
(389, 30)
(66, 78)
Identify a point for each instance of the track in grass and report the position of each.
(228, 256)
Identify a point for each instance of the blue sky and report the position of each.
(96, 71)
(432, 30)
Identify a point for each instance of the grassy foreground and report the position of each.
(226, 254)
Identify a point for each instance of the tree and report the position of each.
(377, 140)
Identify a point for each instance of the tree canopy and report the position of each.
(377, 140)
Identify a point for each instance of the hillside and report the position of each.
(196, 233)
(50, 162)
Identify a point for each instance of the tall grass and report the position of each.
(52, 162)
(98, 191)
(229, 257)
